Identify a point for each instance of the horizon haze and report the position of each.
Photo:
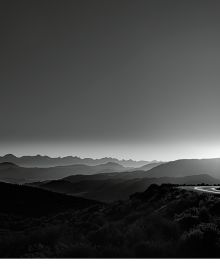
(126, 79)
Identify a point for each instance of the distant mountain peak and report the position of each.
(10, 156)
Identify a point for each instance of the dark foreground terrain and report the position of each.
(162, 222)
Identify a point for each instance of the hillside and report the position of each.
(149, 166)
(107, 188)
(161, 222)
(187, 167)
(27, 201)
(13, 173)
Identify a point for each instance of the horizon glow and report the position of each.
(134, 152)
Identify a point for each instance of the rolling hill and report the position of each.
(12, 173)
(103, 187)
(149, 166)
(187, 167)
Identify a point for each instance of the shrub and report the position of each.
(187, 221)
(158, 227)
(134, 234)
(204, 215)
(202, 241)
(81, 250)
(154, 249)
(108, 234)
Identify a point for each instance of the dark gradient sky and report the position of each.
(132, 79)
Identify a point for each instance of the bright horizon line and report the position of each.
(137, 152)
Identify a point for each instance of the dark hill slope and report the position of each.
(27, 201)
(113, 188)
(162, 222)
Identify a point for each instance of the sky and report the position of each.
(130, 79)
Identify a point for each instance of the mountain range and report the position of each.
(12, 173)
(45, 161)
(111, 181)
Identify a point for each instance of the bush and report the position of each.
(157, 227)
(204, 215)
(154, 249)
(134, 234)
(108, 234)
(187, 221)
(202, 241)
(81, 250)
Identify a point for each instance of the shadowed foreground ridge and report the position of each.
(164, 221)
(25, 201)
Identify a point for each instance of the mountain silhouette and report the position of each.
(187, 167)
(12, 173)
(46, 161)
